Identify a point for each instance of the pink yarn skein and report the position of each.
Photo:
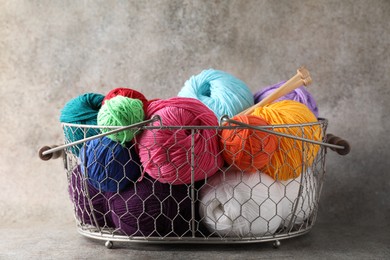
(166, 154)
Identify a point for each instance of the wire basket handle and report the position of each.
(333, 142)
(45, 156)
(332, 139)
(55, 151)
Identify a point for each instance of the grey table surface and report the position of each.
(324, 241)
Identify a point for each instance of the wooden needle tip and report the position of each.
(303, 72)
(307, 81)
(305, 76)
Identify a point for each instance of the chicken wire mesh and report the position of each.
(225, 205)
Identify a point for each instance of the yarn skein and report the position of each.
(223, 93)
(247, 149)
(300, 94)
(108, 165)
(238, 204)
(81, 110)
(292, 155)
(127, 92)
(305, 203)
(151, 208)
(166, 153)
(121, 111)
(83, 195)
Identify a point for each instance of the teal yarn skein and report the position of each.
(121, 111)
(82, 110)
(220, 91)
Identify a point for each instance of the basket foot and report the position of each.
(109, 244)
(276, 244)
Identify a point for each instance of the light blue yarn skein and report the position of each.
(223, 93)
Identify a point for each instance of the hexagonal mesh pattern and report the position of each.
(114, 197)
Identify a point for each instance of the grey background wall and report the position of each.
(52, 51)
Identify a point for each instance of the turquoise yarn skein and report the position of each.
(121, 111)
(220, 91)
(81, 110)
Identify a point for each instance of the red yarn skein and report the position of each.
(127, 92)
(247, 149)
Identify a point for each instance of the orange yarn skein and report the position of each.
(247, 149)
(287, 162)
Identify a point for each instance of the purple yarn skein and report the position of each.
(79, 194)
(152, 208)
(300, 94)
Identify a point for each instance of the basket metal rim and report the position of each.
(144, 125)
(190, 240)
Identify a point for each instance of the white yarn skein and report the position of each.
(306, 202)
(241, 204)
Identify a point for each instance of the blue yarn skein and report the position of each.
(81, 110)
(223, 93)
(110, 166)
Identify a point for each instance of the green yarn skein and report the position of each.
(121, 111)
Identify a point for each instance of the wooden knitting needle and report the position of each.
(301, 78)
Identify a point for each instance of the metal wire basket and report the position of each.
(296, 219)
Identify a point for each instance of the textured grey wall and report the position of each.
(52, 51)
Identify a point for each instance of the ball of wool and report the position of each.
(166, 153)
(108, 165)
(223, 93)
(83, 196)
(305, 203)
(81, 110)
(238, 204)
(127, 92)
(245, 148)
(121, 111)
(292, 155)
(300, 94)
(151, 208)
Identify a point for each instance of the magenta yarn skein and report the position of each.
(166, 153)
(79, 194)
(152, 208)
(300, 94)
